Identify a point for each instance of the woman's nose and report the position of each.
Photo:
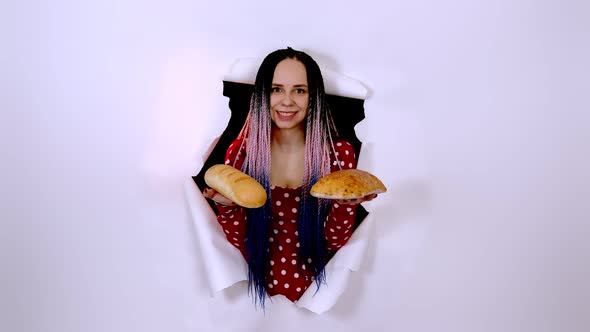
(287, 100)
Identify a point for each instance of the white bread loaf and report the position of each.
(236, 185)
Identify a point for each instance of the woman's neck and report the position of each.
(288, 139)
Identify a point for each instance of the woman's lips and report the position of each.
(286, 116)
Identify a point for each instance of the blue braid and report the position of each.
(257, 249)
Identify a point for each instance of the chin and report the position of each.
(288, 126)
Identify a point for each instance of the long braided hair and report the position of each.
(319, 133)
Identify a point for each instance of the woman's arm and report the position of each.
(233, 222)
(342, 214)
(231, 217)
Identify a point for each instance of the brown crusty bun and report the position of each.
(236, 185)
(347, 184)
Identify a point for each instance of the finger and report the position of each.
(209, 193)
(370, 197)
(221, 199)
(348, 201)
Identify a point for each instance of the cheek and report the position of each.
(273, 101)
(303, 102)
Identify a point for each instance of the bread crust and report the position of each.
(236, 185)
(347, 184)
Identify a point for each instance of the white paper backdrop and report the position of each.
(476, 121)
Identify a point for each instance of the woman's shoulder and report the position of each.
(238, 143)
(344, 157)
(235, 152)
(342, 144)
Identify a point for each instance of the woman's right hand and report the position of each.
(215, 196)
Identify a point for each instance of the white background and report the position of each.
(476, 121)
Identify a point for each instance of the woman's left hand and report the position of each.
(355, 201)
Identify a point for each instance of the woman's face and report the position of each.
(289, 97)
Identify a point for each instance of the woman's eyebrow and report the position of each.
(295, 86)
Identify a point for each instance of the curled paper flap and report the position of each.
(347, 260)
(224, 265)
(244, 71)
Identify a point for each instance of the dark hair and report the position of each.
(319, 131)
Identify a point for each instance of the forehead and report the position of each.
(290, 72)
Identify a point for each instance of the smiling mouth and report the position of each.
(286, 115)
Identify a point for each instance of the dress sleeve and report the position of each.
(233, 218)
(338, 226)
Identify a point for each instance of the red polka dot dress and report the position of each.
(286, 275)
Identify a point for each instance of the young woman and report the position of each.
(287, 143)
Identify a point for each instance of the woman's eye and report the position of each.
(275, 89)
(300, 91)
